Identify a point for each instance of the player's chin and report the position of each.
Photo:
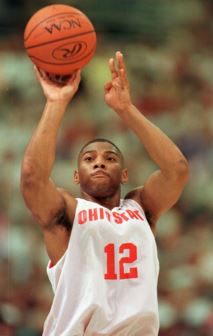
(102, 190)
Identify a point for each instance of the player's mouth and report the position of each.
(99, 173)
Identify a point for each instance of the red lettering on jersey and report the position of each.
(93, 214)
(124, 216)
(138, 214)
(82, 217)
(117, 217)
(101, 212)
(131, 214)
(108, 214)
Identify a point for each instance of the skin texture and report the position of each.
(100, 170)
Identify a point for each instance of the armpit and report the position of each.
(62, 219)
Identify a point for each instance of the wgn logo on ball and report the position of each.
(69, 51)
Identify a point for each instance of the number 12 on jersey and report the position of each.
(110, 261)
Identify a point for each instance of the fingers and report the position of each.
(112, 67)
(44, 77)
(57, 80)
(41, 74)
(75, 77)
(120, 71)
(38, 73)
(120, 60)
(74, 80)
(122, 68)
(107, 86)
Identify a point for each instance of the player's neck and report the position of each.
(108, 202)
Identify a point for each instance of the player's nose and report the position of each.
(99, 163)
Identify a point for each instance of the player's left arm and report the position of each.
(163, 188)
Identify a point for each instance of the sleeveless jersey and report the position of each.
(106, 282)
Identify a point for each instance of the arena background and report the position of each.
(169, 55)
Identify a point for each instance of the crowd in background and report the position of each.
(172, 84)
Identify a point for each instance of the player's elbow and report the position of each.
(181, 170)
(28, 177)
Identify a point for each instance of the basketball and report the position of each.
(60, 39)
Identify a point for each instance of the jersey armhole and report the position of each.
(50, 264)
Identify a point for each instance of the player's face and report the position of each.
(100, 170)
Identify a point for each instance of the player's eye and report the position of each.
(88, 158)
(111, 158)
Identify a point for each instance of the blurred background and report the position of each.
(168, 49)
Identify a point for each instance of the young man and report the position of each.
(103, 258)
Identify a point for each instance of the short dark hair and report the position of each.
(100, 140)
(103, 140)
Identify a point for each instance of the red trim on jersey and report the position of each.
(51, 264)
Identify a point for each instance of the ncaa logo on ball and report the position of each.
(70, 51)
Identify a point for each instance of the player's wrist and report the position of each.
(56, 104)
(124, 109)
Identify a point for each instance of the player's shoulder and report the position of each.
(134, 194)
(66, 193)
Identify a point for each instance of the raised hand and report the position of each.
(58, 92)
(117, 92)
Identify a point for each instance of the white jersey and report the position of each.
(106, 282)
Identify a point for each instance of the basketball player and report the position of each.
(103, 259)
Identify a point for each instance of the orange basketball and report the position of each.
(60, 39)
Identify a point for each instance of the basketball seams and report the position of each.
(60, 39)
(50, 17)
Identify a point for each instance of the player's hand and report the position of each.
(117, 92)
(58, 91)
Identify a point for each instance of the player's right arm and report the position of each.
(52, 208)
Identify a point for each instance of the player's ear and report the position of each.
(124, 176)
(76, 177)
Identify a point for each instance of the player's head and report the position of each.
(101, 168)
